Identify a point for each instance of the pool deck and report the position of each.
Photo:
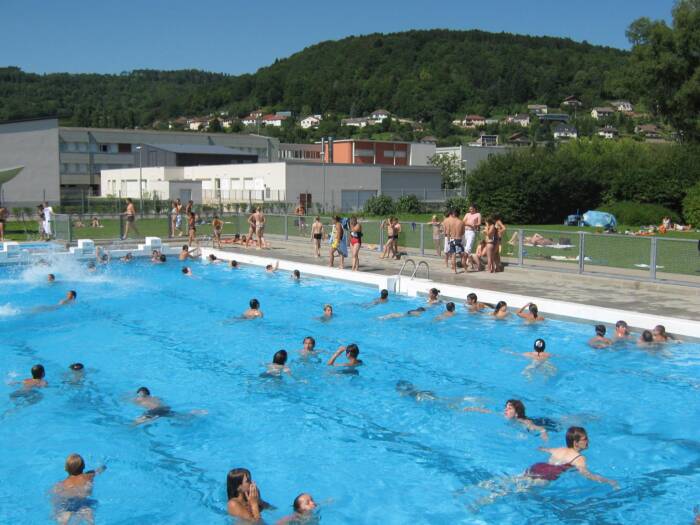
(652, 298)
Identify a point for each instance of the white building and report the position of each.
(273, 120)
(537, 109)
(379, 115)
(622, 105)
(564, 131)
(360, 122)
(608, 132)
(197, 124)
(312, 121)
(335, 186)
(522, 118)
(604, 112)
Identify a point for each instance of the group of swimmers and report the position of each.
(244, 500)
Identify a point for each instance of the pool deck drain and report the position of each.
(652, 298)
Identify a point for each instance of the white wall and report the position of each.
(420, 153)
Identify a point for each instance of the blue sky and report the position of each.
(233, 36)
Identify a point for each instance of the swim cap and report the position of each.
(540, 345)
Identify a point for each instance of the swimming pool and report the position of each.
(368, 454)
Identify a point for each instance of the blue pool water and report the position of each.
(367, 454)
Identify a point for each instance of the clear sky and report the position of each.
(234, 36)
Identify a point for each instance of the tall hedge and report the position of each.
(544, 185)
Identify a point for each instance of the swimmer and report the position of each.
(296, 275)
(660, 335)
(37, 380)
(383, 297)
(433, 296)
(327, 313)
(77, 373)
(51, 278)
(254, 310)
(102, 256)
(244, 500)
(186, 253)
(213, 259)
(153, 405)
(562, 459)
(622, 332)
(532, 315)
(515, 409)
(72, 502)
(599, 341)
(233, 264)
(71, 296)
(91, 266)
(539, 354)
(500, 311)
(76, 367)
(646, 339)
(304, 506)
(272, 269)
(406, 389)
(416, 312)
(162, 258)
(127, 258)
(449, 312)
(186, 270)
(309, 346)
(473, 304)
(351, 353)
(155, 256)
(279, 364)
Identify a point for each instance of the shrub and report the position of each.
(461, 204)
(638, 214)
(691, 205)
(408, 204)
(379, 205)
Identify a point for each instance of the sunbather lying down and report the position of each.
(535, 240)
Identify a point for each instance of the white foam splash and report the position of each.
(7, 310)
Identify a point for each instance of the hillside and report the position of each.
(419, 74)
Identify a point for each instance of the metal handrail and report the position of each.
(404, 265)
(427, 269)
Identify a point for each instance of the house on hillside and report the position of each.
(379, 115)
(197, 123)
(554, 117)
(650, 131)
(571, 102)
(227, 122)
(252, 119)
(473, 121)
(604, 112)
(312, 121)
(179, 122)
(521, 118)
(359, 122)
(625, 106)
(486, 140)
(519, 139)
(608, 132)
(537, 109)
(273, 120)
(565, 132)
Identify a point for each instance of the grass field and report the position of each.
(618, 251)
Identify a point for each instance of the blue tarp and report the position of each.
(599, 219)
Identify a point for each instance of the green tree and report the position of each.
(215, 126)
(665, 66)
(451, 169)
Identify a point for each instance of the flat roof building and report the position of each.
(61, 163)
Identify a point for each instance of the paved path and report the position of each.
(623, 293)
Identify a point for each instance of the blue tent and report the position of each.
(599, 219)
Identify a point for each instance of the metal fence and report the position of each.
(644, 258)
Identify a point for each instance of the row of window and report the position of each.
(77, 167)
(92, 147)
(399, 154)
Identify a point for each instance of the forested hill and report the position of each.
(416, 74)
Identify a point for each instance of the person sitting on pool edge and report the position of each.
(304, 506)
(449, 312)
(351, 353)
(600, 341)
(186, 253)
(72, 502)
(37, 380)
(562, 459)
(244, 500)
(532, 315)
(254, 310)
(71, 296)
(515, 409)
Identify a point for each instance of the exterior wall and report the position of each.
(342, 153)
(34, 145)
(471, 157)
(421, 153)
(421, 181)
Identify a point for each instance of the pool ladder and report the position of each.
(415, 268)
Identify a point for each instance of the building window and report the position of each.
(400, 154)
(103, 148)
(124, 148)
(364, 153)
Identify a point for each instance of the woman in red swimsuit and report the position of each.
(562, 459)
(355, 242)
